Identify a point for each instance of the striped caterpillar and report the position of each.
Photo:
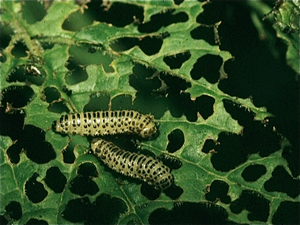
(105, 123)
(139, 166)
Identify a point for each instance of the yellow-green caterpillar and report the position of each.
(106, 123)
(145, 168)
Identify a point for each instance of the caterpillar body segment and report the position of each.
(145, 168)
(106, 123)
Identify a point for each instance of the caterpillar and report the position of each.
(105, 123)
(139, 166)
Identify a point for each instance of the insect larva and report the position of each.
(139, 166)
(106, 122)
(32, 70)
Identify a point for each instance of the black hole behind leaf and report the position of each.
(218, 190)
(51, 94)
(204, 33)
(176, 140)
(35, 190)
(87, 170)
(55, 179)
(14, 210)
(58, 107)
(204, 105)
(16, 96)
(98, 101)
(162, 19)
(255, 203)
(82, 185)
(11, 124)
(253, 172)
(176, 61)
(19, 50)
(207, 66)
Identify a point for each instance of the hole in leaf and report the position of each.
(150, 192)
(19, 50)
(16, 96)
(76, 21)
(213, 13)
(175, 83)
(178, 2)
(162, 19)
(87, 170)
(175, 95)
(14, 210)
(35, 190)
(244, 116)
(230, 144)
(81, 55)
(124, 43)
(82, 185)
(34, 221)
(121, 102)
(205, 105)
(32, 140)
(208, 146)
(287, 213)
(255, 203)
(181, 103)
(255, 133)
(78, 210)
(253, 172)
(11, 124)
(51, 94)
(150, 45)
(207, 66)
(34, 144)
(76, 75)
(174, 191)
(68, 154)
(156, 105)
(110, 13)
(66, 90)
(176, 61)
(47, 45)
(55, 179)
(98, 212)
(4, 220)
(3, 57)
(29, 74)
(190, 213)
(58, 107)
(218, 190)
(281, 181)
(6, 34)
(204, 33)
(13, 153)
(28, 7)
(144, 79)
(98, 102)
(175, 140)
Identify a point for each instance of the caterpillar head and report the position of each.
(148, 130)
(96, 143)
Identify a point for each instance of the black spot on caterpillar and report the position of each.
(139, 166)
(105, 123)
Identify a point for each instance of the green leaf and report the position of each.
(153, 64)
